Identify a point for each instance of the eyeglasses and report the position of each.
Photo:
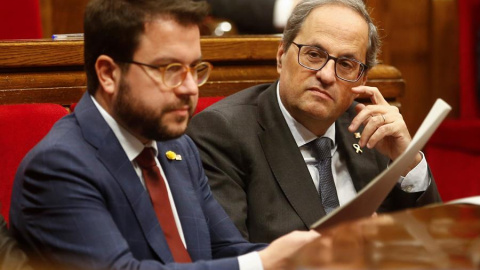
(174, 74)
(314, 58)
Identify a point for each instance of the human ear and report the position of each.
(108, 72)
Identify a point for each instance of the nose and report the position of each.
(189, 86)
(327, 73)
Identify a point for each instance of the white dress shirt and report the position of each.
(416, 180)
(133, 147)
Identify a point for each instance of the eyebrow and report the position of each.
(347, 55)
(169, 60)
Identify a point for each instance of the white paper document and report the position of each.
(475, 200)
(371, 196)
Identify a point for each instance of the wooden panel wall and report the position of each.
(420, 39)
(52, 71)
(445, 77)
(62, 16)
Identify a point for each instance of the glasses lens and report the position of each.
(174, 75)
(312, 57)
(348, 69)
(202, 71)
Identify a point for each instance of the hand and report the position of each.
(280, 253)
(384, 127)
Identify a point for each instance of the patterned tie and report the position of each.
(159, 196)
(321, 148)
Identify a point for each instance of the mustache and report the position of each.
(188, 101)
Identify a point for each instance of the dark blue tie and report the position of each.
(322, 150)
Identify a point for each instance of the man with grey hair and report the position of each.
(280, 156)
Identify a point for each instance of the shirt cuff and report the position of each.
(250, 261)
(281, 12)
(417, 180)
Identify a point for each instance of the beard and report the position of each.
(146, 122)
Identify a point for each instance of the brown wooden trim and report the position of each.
(52, 71)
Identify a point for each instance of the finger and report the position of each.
(384, 120)
(372, 92)
(364, 113)
(379, 126)
(380, 133)
(373, 126)
(359, 107)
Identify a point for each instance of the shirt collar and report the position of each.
(130, 144)
(300, 133)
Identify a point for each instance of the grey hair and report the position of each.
(303, 9)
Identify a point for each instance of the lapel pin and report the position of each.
(357, 148)
(357, 135)
(173, 156)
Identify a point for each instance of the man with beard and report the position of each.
(116, 184)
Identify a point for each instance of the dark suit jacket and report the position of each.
(258, 174)
(78, 201)
(250, 16)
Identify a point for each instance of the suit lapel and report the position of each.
(179, 179)
(112, 155)
(286, 161)
(363, 167)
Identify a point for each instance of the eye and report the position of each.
(347, 64)
(174, 68)
(314, 54)
(201, 68)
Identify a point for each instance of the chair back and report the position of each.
(22, 126)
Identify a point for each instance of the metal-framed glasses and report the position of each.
(174, 74)
(314, 58)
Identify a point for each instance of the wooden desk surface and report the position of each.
(52, 71)
(435, 237)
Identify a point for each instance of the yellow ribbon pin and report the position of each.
(357, 148)
(173, 156)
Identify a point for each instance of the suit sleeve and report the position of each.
(225, 237)
(223, 164)
(403, 200)
(63, 216)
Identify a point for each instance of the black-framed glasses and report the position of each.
(173, 75)
(314, 58)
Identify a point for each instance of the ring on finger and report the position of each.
(383, 116)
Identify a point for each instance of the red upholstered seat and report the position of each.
(72, 106)
(204, 102)
(21, 127)
(453, 152)
(20, 19)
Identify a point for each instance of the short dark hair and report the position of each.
(303, 9)
(114, 27)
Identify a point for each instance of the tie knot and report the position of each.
(146, 159)
(322, 148)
